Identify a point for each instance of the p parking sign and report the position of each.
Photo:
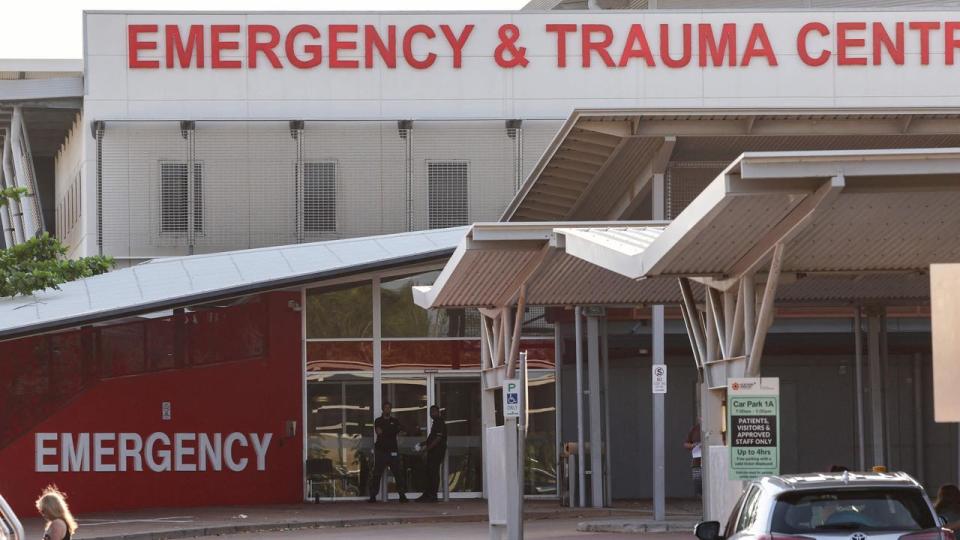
(511, 398)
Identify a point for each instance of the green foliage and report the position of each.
(11, 194)
(40, 263)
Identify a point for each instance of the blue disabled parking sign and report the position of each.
(511, 398)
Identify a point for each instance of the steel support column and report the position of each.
(858, 370)
(876, 386)
(581, 465)
(659, 451)
(596, 422)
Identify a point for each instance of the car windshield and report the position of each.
(872, 509)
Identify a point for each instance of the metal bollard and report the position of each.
(572, 479)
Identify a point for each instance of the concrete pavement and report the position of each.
(555, 529)
(157, 524)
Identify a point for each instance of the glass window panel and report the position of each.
(403, 318)
(339, 356)
(541, 353)
(121, 350)
(340, 435)
(340, 312)
(541, 447)
(536, 322)
(431, 354)
(24, 386)
(224, 333)
(160, 344)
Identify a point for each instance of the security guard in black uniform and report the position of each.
(386, 453)
(435, 447)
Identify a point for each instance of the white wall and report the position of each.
(541, 94)
(69, 174)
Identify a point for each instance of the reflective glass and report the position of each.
(459, 399)
(403, 318)
(408, 395)
(431, 354)
(339, 356)
(344, 311)
(541, 463)
(340, 435)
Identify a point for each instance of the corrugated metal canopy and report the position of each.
(175, 282)
(494, 259)
(844, 211)
(600, 163)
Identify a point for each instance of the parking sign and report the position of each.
(511, 398)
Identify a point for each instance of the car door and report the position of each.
(748, 514)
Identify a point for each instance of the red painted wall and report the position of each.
(256, 395)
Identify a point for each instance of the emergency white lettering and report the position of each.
(161, 452)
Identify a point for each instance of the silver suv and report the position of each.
(847, 506)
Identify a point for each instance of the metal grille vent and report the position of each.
(320, 196)
(175, 215)
(447, 187)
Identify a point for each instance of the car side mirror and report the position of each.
(707, 530)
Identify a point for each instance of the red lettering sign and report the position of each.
(353, 46)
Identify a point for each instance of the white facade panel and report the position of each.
(458, 104)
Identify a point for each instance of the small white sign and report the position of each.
(511, 398)
(165, 411)
(659, 379)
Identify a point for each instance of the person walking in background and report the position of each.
(435, 447)
(52, 505)
(692, 443)
(947, 506)
(386, 453)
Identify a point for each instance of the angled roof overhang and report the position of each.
(837, 212)
(493, 260)
(601, 163)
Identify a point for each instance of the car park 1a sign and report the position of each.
(753, 424)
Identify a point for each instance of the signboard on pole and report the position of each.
(753, 424)
(511, 398)
(659, 379)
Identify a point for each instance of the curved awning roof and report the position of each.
(181, 281)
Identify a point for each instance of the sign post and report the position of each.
(753, 423)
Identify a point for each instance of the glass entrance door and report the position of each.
(410, 397)
(459, 400)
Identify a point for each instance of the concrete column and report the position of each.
(596, 421)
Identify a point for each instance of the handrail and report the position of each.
(7, 513)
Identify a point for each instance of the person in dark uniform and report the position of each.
(435, 447)
(386, 453)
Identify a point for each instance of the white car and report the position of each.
(842, 506)
(10, 527)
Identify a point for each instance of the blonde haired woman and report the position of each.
(52, 504)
